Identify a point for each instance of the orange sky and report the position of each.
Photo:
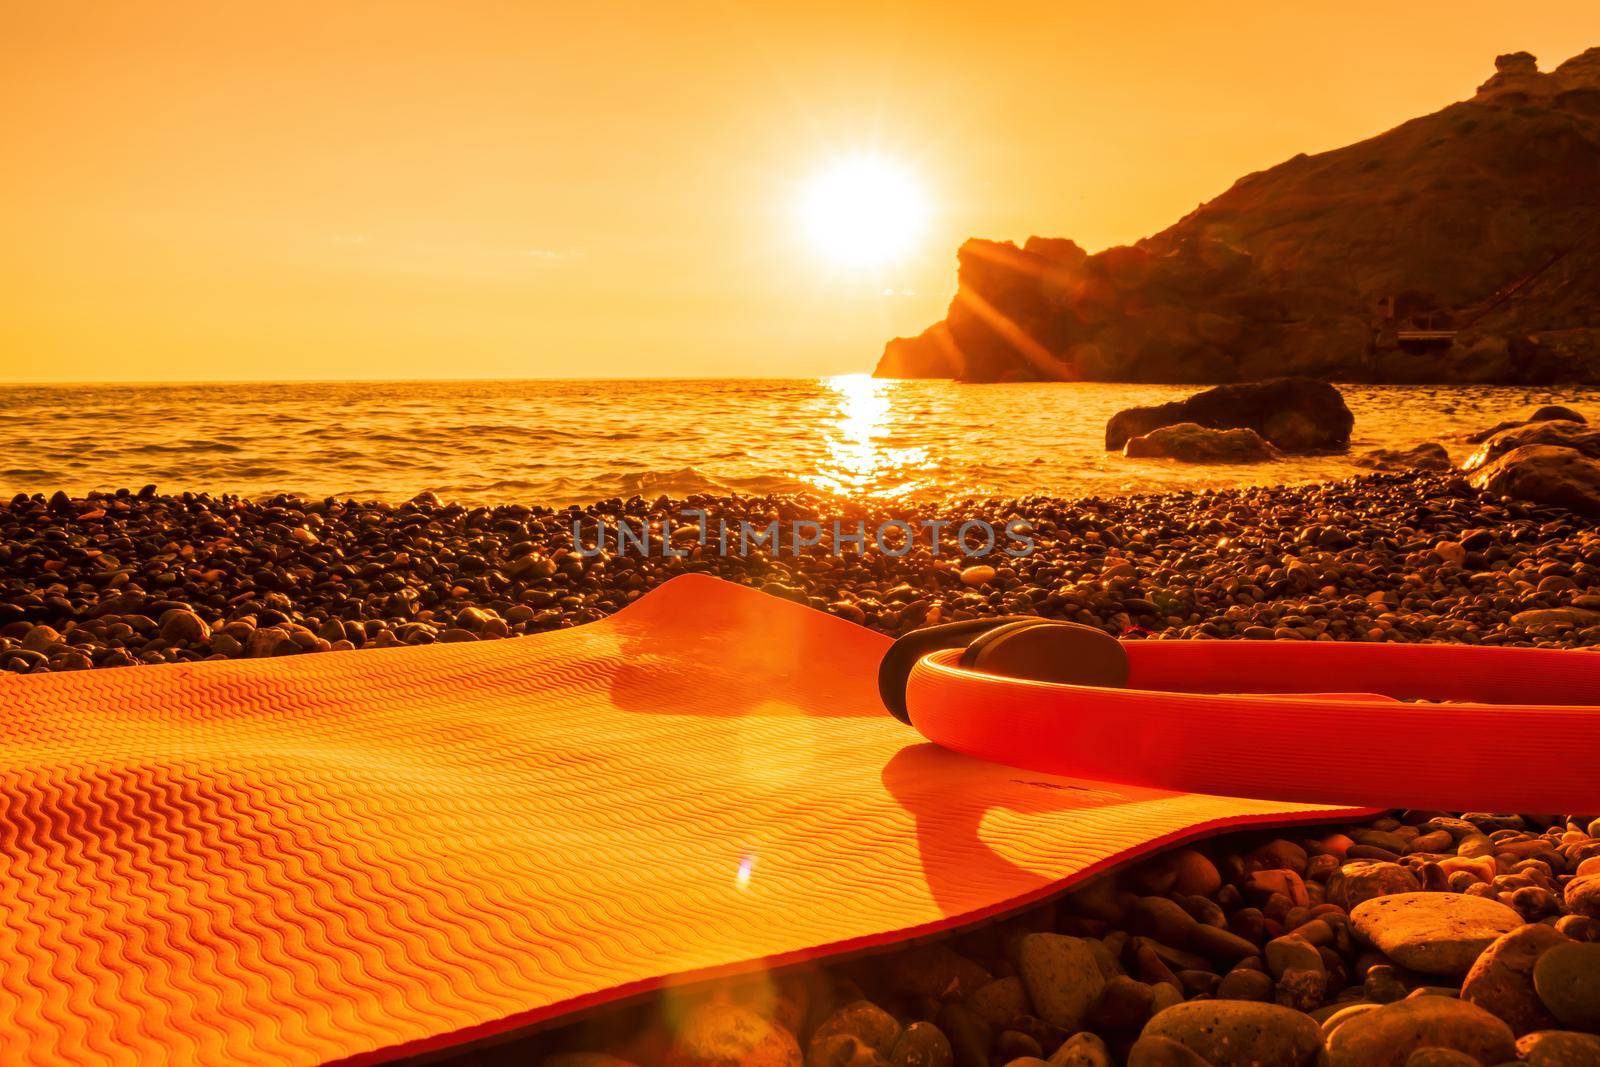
(465, 188)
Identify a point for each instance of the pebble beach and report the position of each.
(117, 579)
(1414, 939)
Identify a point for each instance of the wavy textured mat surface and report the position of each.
(367, 854)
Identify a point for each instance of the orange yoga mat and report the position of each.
(362, 855)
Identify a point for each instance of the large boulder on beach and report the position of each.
(1293, 414)
(1190, 443)
(1545, 474)
(1561, 433)
(1548, 413)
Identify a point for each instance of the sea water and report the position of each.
(564, 442)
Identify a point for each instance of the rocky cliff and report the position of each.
(1460, 246)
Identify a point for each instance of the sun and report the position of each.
(863, 211)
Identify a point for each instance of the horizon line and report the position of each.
(63, 382)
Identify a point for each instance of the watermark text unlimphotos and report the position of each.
(893, 537)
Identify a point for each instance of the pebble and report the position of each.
(1156, 1051)
(1238, 1033)
(1567, 979)
(1245, 984)
(1124, 1004)
(1432, 1056)
(1501, 980)
(1000, 1001)
(1082, 1050)
(969, 1036)
(717, 1034)
(1558, 1048)
(922, 1044)
(1062, 977)
(1013, 1046)
(182, 626)
(1434, 933)
(1387, 1036)
(1194, 874)
(935, 971)
(976, 576)
(1583, 895)
(1361, 880)
(842, 1050)
(862, 1020)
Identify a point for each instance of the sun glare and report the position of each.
(863, 211)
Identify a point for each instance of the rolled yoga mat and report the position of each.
(364, 855)
(1437, 727)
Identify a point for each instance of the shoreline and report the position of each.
(140, 577)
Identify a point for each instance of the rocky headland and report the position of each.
(1462, 246)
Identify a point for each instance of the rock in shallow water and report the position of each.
(1294, 414)
(1434, 933)
(1189, 443)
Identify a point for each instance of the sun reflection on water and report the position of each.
(857, 461)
